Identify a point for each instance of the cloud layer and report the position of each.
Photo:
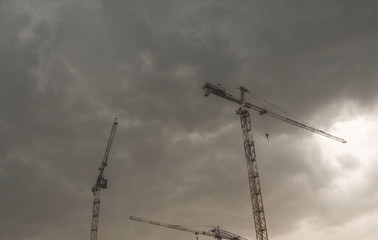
(69, 68)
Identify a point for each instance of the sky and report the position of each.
(68, 68)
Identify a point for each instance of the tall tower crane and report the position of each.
(249, 149)
(101, 183)
(215, 232)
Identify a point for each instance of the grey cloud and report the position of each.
(67, 69)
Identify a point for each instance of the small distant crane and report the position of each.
(215, 232)
(101, 183)
(249, 148)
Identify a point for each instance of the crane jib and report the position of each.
(215, 232)
(210, 88)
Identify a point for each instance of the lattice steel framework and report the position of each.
(95, 215)
(215, 232)
(101, 183)
(253, 176)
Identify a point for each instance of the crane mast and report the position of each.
(101, 183)
(215, 232)
(253, 174)
(249, 149)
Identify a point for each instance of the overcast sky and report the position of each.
(68, 68)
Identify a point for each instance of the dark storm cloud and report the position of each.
(304, 53)
(68, 68)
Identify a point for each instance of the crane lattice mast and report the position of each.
(215, 232)
(249, 149)
(101, 183)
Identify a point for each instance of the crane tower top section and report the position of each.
(101, 182)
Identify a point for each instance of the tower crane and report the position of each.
(249, 148)
(215, 232)
(101, 183)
